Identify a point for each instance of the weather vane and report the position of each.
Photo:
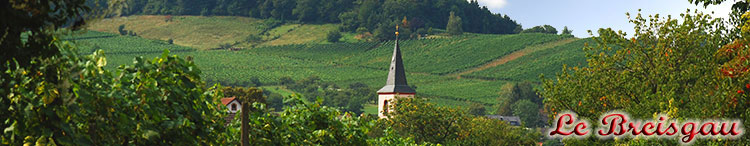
(396, 30)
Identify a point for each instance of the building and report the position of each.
(512, 120)
(233, 106)
(396, 85)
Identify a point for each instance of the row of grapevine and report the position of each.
(341, 63)
(317, 52)
(529, 67)
(443, 56)
(117, 44)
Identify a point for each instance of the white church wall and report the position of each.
(382, 98)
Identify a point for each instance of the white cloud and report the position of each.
(493, 4)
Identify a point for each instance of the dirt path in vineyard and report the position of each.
(513, 56)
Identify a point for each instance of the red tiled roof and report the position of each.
(227, 100)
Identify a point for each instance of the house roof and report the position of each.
(509, 119)
(227, 100)
(396, 82)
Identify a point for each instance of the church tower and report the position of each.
(396, 85)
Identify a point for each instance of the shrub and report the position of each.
(333, 36)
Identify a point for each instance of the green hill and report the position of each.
(209, 32)
(453, 71)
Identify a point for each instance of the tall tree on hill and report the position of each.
(454, 25)
(283, 9)
(306, 10)
(549, 29)
(566, 31)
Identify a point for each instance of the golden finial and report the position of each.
(396, 30)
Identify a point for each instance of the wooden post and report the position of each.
(255, 95)
(244, 122)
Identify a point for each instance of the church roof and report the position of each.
(396, 82)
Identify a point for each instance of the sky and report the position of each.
(583, 15)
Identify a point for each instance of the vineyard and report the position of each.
(428, 61)
(117, 44)
(443, 56)
(207, 32)
(529, 67)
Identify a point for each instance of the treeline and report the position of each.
(353, 14)
(349, 98)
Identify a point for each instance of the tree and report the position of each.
(512, 94)
(86, 104)
(426, 123)
(412, 117)
(454, 25)
(385, 32)
(689, 69)
(477, 109)
(286, 81)
(541, 29)
(275, 101)
(527, 111)
(566, 31)
(225, 46)
(26, 36)
(306, 10)
(549, 29)
(303, 124)
(122, 30)
(333, 36)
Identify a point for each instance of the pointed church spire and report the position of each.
(396, 82)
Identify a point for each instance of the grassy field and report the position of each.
(209, 32)
(429, 62)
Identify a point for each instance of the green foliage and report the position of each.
(304, 124)
(28, 27)
(122, 30)
(413, 117)
(68, 100)
(520, 99)
(566, 31)
(333, 36)
(483, 131)
(275, 101)
(351, 13)
(348, 99)
(454, 25)
(527, 111)
(427, 123)
(225, 46)
(541, 29)
(245, 94)
(667, 67)
(477, 109)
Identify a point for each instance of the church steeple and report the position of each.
(396, 82)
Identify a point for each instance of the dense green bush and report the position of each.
(69, 100)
